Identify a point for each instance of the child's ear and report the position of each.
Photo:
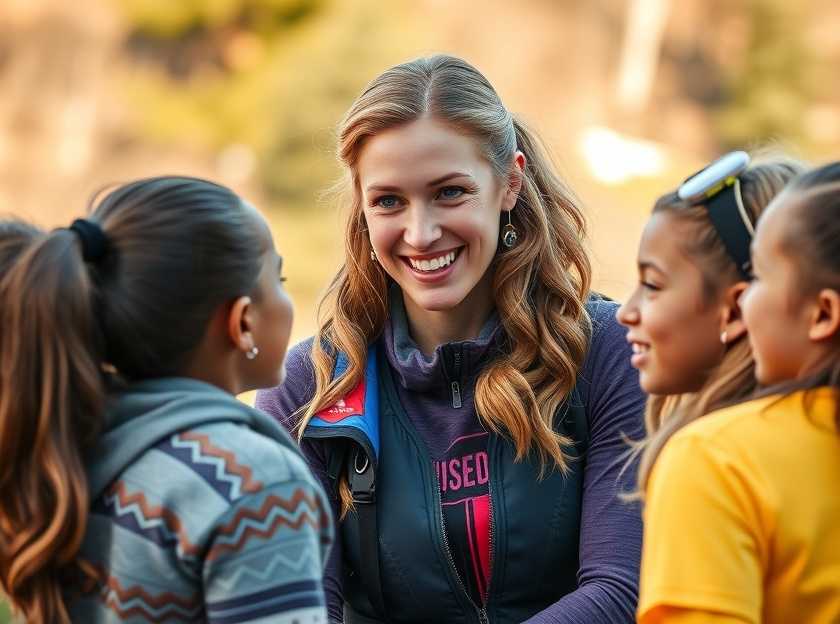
(732, 321)
(825, 320)
(239, 324)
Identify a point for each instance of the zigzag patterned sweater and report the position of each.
(203, 511)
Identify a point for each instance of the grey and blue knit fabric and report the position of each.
(203, 510)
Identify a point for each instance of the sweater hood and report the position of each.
(145, 412)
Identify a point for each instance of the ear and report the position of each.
(825, 319)
(732, 321)
(240, 324)
(515, 177)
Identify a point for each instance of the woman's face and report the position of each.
(433, 206)
(673, 328)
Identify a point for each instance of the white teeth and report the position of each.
(433, 264)
(639, 348)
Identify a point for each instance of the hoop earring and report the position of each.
(509, 234)
(252, 353)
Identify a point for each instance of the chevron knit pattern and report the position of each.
(200, 535)
(217, 466)
(133, 512)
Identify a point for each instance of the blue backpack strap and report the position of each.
(356, 415)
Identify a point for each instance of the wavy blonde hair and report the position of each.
(540, 285)
(733, 379)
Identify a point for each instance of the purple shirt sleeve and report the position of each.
(611, 529)
(282, 403)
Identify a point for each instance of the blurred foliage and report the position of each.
(271, 75)
(770, 87)
(165, 19)
(5, 613)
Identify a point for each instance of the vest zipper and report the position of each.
(480, 611)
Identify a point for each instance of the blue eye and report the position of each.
(451, 192)
(387, 201)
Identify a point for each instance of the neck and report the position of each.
(216, 367)
(432, 328)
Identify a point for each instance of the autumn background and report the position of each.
(631, 96)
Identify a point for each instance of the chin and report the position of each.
(654, 384)
(436, 302)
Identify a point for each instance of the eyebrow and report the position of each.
(435, 182)
(647, 264)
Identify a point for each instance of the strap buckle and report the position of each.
(362, 478)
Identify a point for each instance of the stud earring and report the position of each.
(723, 337)
(252, 353)
(509, 234)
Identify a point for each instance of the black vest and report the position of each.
(535, 522)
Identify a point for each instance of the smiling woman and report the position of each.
(474, 372)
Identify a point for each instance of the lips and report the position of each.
(640, 352)
(433, 264)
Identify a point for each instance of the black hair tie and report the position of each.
(94, 241)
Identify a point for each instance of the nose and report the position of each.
(422, 229)
(628, 313)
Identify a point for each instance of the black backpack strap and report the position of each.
(361, 476)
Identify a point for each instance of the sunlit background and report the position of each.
(630, 96)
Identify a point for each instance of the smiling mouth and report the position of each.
(435, 263)
(639, 347)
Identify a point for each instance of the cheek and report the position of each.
(685, 344)
(282, 316)
(384, 233)
(749, 305)
(663, 320)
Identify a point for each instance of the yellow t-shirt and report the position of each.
(742, 517)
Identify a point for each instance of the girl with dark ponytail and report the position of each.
(133, 485)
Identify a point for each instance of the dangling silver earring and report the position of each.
(252, 353)
(509, 235)
(723, 337)
(373, 257)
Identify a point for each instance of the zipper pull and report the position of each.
(456, 394)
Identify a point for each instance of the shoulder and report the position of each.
(233, 459)
(193, 478)
(725, 428)
(606, 330)
(730, 445)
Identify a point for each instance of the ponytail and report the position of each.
(51, 403)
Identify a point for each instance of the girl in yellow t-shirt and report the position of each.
(742, 505)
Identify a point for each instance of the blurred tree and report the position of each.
(768, 85)
(261, 81)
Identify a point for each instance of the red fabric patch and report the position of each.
(481, 526)
(350, 405)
